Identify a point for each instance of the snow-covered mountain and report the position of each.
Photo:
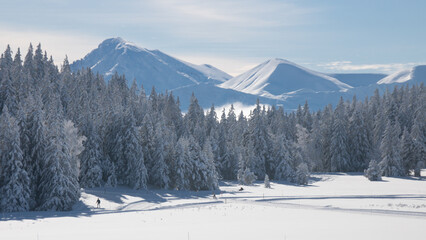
(149, 67)
(413, 75)
(277, 78)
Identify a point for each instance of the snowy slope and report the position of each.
(211, 72)
(414, 75)
(332, 206)
(149, 67)
(277, 77)
(358, 79)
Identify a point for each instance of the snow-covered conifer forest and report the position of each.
(62, 131)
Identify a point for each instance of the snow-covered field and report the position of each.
(333, 206)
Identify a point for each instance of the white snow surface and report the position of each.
(398, 77)
(277, 77)
(210, 71)
(332, 206)
(415, 74)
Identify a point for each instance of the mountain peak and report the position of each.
(276, 78)
(112, 42)
(149, 67)
(279, 61)
(119, 43)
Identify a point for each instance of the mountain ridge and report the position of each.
(277, 78)
(149, 67)
(274, 82)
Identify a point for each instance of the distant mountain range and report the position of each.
(274, 82)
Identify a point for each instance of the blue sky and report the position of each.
(233, 35)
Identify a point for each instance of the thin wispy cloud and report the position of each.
(226, 21)
(247, 13)
(348, 66)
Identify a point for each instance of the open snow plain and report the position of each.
(332, 206)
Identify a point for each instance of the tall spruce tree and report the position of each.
(14, 180)
(391, 162)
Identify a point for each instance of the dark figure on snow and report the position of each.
(98, 203)
(214, 196)
(241, 189)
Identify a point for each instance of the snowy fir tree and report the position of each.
(339, 155)
(302, 174)
(373, 172)
(14, 180)
(266, 182)
(91, 159)
(246, 177)
(132, 155)
(391, 163)
(159, 173)
(59, 187)
(418, 134)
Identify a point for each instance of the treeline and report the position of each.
(61, 131)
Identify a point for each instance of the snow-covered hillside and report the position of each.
(358, 79)
(413, 75)
(332, 206)
(149, 67)
(277, 77)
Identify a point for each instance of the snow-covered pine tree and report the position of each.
(408, 154)
(200, 176)
(147, 136)
(8, 92)
(194, 121)
(285, 162)
(37, 147)
(314, 144)
(211, 121)
(340, 159)
(266, 181)
(136, 173)
(159, 173)
(326, 135)
(246, 177)
(260, 140)
(358, 140)
(23, 117)
(14, 181)
(391, 162)
(74, 143)
(181, 168)
(302, 174)
(109, 173)
(373, 172)
(91, 159)
(59, 188)
(418, 134)
(113, 146)
(212, 176)
(303, 142)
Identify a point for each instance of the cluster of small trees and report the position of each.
(62, 130)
